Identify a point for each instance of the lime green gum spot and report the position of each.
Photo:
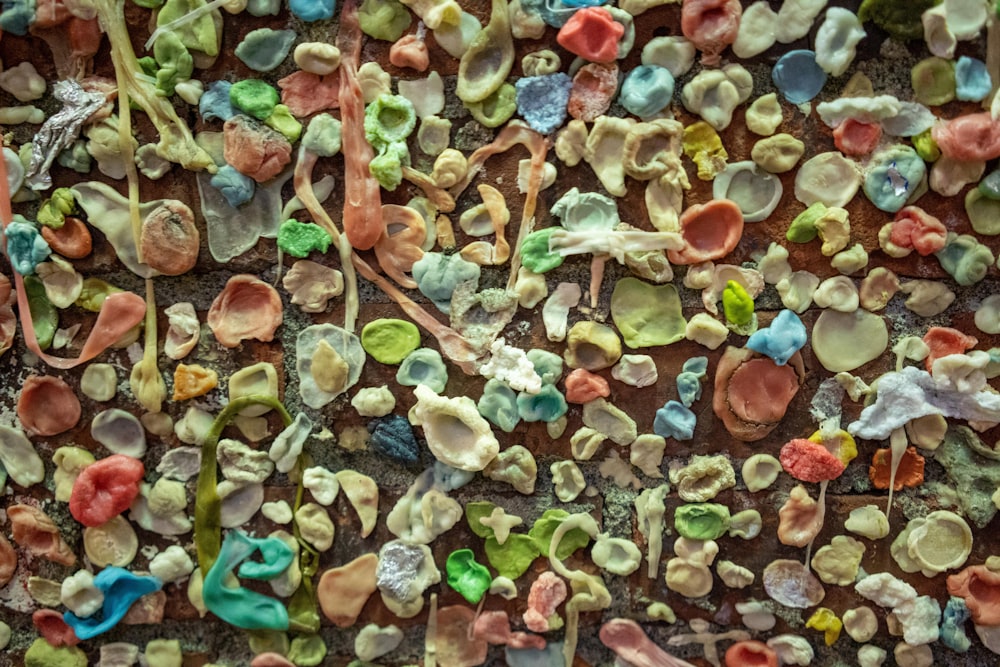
(307, 650)
(466, 576)
(383, 19)
(926, 147)
(254, 97)
(93, 294)
(43, 313)
(512, 558)
(281, 120)
(387, 166)
(542, 530)
(933, 81)
(197, 35)
(389, 119)
(475, 512)
(53, 211)
(803, 227)
(899, 18)
(174, 61)
(497, 108)
(737, 304)
(43, 654)
(389, 341)
(535, 254)
(647, 315)
(702, 521)
(299, 239)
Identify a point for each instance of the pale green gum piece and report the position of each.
(282, 121)
(323, 135)
(423, 366)
(647, 315)
(498, 404)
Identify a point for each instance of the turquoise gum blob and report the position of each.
(696, 365)
(647, 90)
(121, 589)
(798, 77)
(688, 388)
(541, 100)
(895, 173)
(953, 625)
(556, 12)
(972, 80)
(214, 103)
(311, 10)
(423, 366)
(548, 365)
(264, 49)
(17, 16)
(239, 606)
(498, 404)
(234, 186)
(25, 247)
(438, 275)
(782, 339)
(674, 420)
(547, 405)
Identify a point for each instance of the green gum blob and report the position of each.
(702, 521)
(475, 512)
(174, 60)
(535, 253)
(647, 315)
(201, 34)
(803, 227)
(323, 136)
(53, 211)
(389, 119)
(466, 576)
(389, 341)
(498, 404)
(497, 108)
(254, 97)
(542, 530)
(737, 304)
(148, 4)
(899, 18)
(423, 366)
(282, 121)
(148, 65)
(933, 81)
(307, 650)
(299, 239)
(44, 315)
(965, 259)
(547, 405)
(548, 365)
(387, 166)
(43, 654)
(983, 211)
(926, 147)
(512, 558)
(93, 293)
(383, 19)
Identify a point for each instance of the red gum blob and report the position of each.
(593, 88)
(711, 25)
(853, 137)
(808, 461)
(582, 386)
(271, 659)
(970, 137)
(35, 531)
(910, 472)
(493, 626)
(47, 406)
(916, 228)
(979, 586)
(547, 593)
(752, 393)
(751, 653)
(710, 231)
(72, 240)
(254, 149)
(593, 34)
(943, 341)
(247, 307)
(53, 628)
(105, 489)
(305, 93)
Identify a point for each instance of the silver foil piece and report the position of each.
(60, 130)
